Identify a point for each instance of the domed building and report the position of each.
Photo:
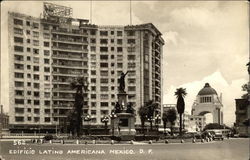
(208, 101)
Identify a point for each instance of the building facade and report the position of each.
(4, 122)
(208, 101)
(46, 54)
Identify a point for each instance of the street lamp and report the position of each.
(113, 116)
(105, 120)
(157, 118)
(87, 118)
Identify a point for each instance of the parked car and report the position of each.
(218, 135)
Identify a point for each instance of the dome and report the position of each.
(207, 90)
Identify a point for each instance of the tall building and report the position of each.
(46, 53)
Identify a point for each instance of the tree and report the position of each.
(171, 117)
(246, 88)
(165, 120)
(79, 84)
(215, 126)
(180, 94)
(151, 110)
(143, 111)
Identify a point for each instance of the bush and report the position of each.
(48, 137)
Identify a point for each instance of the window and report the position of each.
(104, 112)
(18, 31)
(28, 40)
(46, 119)
(46, 36)
(112, 41)
(92, 49)
(131, 49)
(46, 61)
(36, 102)
(35, 68)
(119, 57)
(35, 34)
(131, 57)
(104, 73)
(18, 58)
(119, 49)
(19, 84)
(93, 72)
(36, 94)
(93, 96)
(46, 52)
(18, 40)
(131, 81)
(92, 32)
(104, 88)
(35, 25)
(19, 119)
(35, 42)
(112, 32)
(19, 101)
(29, 93)
(119, 65)
(104, 41)
(36, 119)
(103, 33)
(35, 59)
(131, 65)
(18, 22)
(119, 33)
(46, 69)
(131, 41)
(18, 48)
(93, 88)
(131, 88)
(28, 32)
(112, 48)
(36, 77)
(35, 51)
(46, 78)
(18, 75)
(29, 118)
(104, 104)
(28, 49)
(119, 41)
(19, 92)
(93, 80)
(93, 112)
(130, 33)
(47, 103)
(104, 80)
(46, 44)
(28, 84)
(28, 75)
(104, 65)
(103, 49)
(104, 96)
(93, 104)
(19, 66)
(104, 57)
(46, 27)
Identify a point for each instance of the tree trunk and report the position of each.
(171, 128)
(180, 124)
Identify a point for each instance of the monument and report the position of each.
(123, 119)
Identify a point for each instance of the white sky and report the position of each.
(205, 41)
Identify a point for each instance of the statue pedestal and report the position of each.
(123, 125)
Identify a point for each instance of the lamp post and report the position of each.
(87, 118)
(105, 120)
(113, 116)
(157, 118)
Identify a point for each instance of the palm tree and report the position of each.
(79, 84)
(180, 94)
(143, 111)
(171, 117)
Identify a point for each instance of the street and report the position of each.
(232, 149)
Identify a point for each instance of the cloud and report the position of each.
(229, 93)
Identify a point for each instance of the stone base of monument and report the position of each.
(124, 126)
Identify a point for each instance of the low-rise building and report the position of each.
(242, 117)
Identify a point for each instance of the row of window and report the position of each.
(29, 110)
(34, 25)
(29, 93)
(112, 41)
(205, 99)
(118, 33)
(35, 50)
(36, 119)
